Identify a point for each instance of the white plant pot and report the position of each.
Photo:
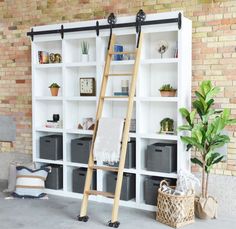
(84, 57)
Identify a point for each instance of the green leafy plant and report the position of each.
(167, 87)
(84, 47)
(54, 85)
(205, 131)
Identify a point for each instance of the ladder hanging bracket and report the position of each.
(32, 34)
(62, 31)
(83, 218)
(97, 28)
(140, 17)
(112, 19)
(179, 20)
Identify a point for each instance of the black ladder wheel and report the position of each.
(83, 218)
(114, 225)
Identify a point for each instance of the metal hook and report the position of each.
(140, 18)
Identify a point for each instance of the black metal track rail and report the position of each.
(98, 27)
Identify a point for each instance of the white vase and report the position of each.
(84, 57)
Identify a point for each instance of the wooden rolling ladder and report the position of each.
(91, 166)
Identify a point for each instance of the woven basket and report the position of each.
(173, 210)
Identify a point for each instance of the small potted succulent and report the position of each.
(54, 88)
(84, 51)
(167, 91)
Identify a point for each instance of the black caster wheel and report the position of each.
(83, 218)
(114, 225)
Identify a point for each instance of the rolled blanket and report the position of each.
(108, 140)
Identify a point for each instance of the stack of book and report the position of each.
(121, 93)
(53, 124)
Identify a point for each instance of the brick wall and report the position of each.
(214, 57)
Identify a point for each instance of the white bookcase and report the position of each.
(149, 109)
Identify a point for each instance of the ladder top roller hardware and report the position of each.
(100, 193)
(105, 168)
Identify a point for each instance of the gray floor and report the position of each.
(60, 213)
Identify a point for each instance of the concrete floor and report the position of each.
(60, 213)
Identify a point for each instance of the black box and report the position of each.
(50, 147)
(130, 160)
(151, 186)
(128, 185)
(80, 149)
(162, 157)
(78, 179)
(55, 177)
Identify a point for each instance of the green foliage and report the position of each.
(205, 133)
(54, 85)
(84, 47)
(167, 87)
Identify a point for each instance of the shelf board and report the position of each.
(45, 129)
(74, 164)
(48, 98)
(79, 131)
(59, 65)
(56, 162)
(117, 98)
(159, 136)
(122, 62)
(81, 98)
(158, 174)
(158, 99)
(132, 135)
(159, 61)
(81, 64)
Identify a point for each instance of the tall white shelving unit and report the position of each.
(149, 109)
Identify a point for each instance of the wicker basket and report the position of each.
(173, 210)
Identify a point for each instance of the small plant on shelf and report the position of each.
(205, 125)
(167, 126)
(85, 51)
(54, 88)
(167, 90)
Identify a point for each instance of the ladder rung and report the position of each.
(105, 168)
(100, 193)
(120, 53)
(115, 97)
(119, 74)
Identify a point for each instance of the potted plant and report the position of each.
(167, 126)
(85, 50)
(54, 88)
(167, 91)
(205, 137)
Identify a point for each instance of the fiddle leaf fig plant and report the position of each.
(205, 125)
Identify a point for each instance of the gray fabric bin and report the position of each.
(78, 180)
(130, 160)
(151, 186)
(55, 177)
(80, 149)
(128, 185)
(51, 147)
(162, 157)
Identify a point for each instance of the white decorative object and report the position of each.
(84, 58)
(162, 47)
(186, 181)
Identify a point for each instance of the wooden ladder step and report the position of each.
(115, 97)
(105, 168)
(119, 74)
(120, 53)
(100, 193)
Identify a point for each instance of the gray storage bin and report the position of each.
(50, 147)
(128, 185)
(55, 177)
(162, 157)
(78, 180)
(151, 186)
(130, 160)
(80, 148)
